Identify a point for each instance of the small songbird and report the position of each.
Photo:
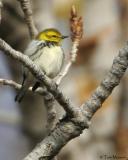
(46, 52)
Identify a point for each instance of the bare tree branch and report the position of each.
(27, 9)
(49, 101)
(66, 128)
(111, 80)
(10, 83)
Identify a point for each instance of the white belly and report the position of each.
(51, 60)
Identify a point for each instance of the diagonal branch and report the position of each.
(27, 9)
(111, 80)
(66, 128)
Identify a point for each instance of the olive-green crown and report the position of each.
(51, 35)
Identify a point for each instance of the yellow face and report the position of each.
(51, 35)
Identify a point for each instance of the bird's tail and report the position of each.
(21, 94)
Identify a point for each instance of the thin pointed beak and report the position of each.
(63, 37)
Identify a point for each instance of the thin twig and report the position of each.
(76, 26)
(11, 83)
(27, 9)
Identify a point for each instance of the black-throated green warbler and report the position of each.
(46, 52)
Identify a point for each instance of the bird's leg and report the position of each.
(24, 77)
(36, 85)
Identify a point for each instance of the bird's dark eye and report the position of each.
(54, 36)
